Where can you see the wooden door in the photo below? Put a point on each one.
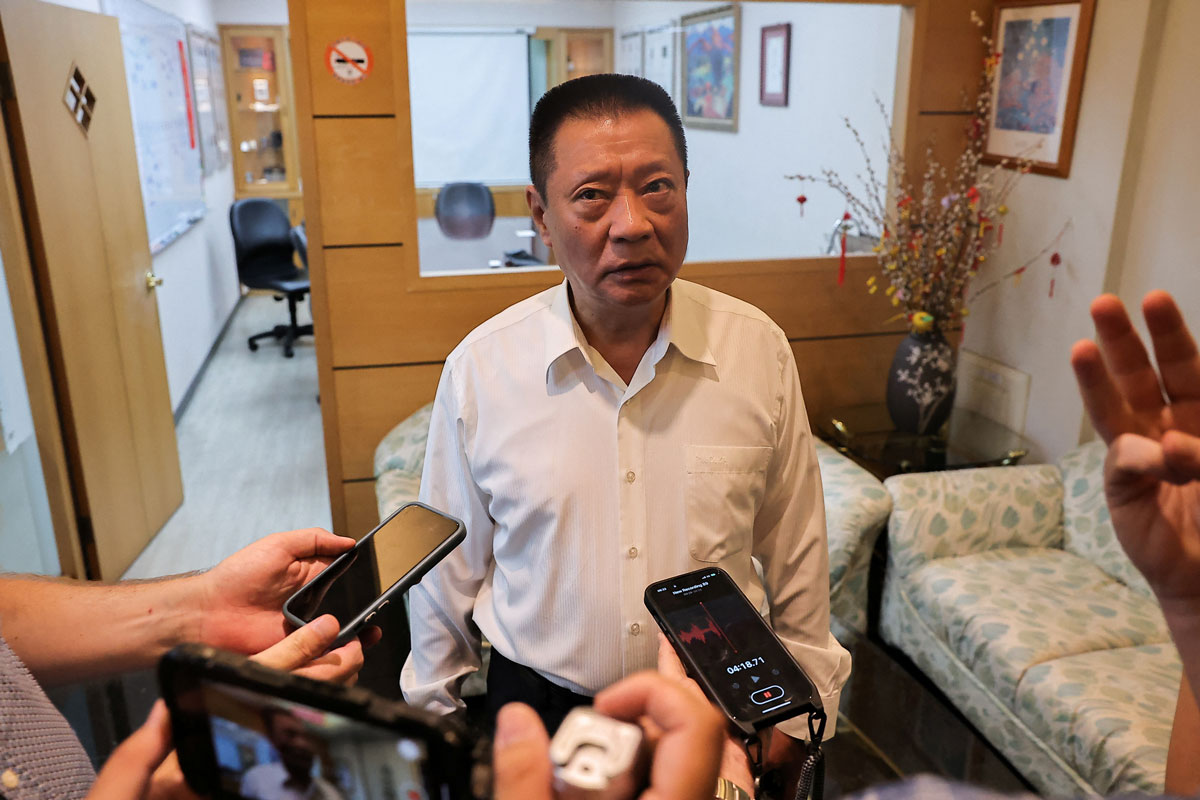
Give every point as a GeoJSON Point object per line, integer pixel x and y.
{"type": "Point", "coordinates": [81, 199]}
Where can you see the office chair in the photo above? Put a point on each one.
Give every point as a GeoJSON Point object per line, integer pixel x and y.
{"type": "Point", "coordinates": [465, 210]}
{"type": "Point", "coordinates": [262, 243]}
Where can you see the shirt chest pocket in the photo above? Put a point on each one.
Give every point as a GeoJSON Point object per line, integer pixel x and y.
{"type": "Point", "coordinates": [724, 490]}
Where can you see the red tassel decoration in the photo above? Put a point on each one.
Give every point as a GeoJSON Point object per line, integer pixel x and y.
{"type": "Point", "coordinates": [802, 199]}
{"type": "Point", "coordinates": [842, 262]}
{"type": "Point", "coordinates": [1055, 260]}
{"type": "Point", "coordinates": [1000, 234]}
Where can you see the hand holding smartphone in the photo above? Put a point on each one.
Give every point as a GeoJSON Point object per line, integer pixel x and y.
{"type": "Point", "coordinates": [380, 568]}
{"type": "Point", "coordinates": [729, 649]}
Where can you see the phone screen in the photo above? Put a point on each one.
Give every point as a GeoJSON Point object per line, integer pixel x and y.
{"type": "Point", "coordinates": [739, 658]}
{"type": "Point", "coordinates": [268, 747]}
{"type": "Point", "coordinates": [390, 552]}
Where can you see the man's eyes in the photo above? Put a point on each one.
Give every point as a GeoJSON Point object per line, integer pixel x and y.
{"type": "Point", "coordinates": [589, 194]}
{"type": "Point", "coordinates": [659, 185]}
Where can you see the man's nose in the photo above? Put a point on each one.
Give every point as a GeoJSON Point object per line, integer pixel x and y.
{"type": "Point", "coordinates": [628, 219]}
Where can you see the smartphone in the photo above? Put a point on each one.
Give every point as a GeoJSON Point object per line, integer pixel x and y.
{"type": "Point", "coordinates": [730, 650]}
{"type": "Point", "coordinates": [243, 730]}
{"type": "Point", "coordinates": [381, 567]}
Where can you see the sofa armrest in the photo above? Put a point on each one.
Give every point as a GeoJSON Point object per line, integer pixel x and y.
{"type": "Point", "coordinates": [856, 510]}
{"type": "Point", "coordinates": [957, 512]}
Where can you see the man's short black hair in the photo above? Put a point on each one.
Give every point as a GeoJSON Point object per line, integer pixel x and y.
{"type": "Point", "coordinates": [595, 97]}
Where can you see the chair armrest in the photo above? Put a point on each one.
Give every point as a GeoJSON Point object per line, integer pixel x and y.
{"type": "Point", "coordinates": [403, 447]}
{"type": "Point", "coordinates": [957, 512]}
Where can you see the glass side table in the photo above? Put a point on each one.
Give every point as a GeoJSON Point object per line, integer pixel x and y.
{"type": "Point", "coordinates": [968, 439]}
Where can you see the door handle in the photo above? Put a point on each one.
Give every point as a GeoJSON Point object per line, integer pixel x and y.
{"type": "Point", "coordinates": [153, 281]}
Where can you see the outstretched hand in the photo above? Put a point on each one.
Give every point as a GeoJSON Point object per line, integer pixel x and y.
{"type": "Point", "coordinates": [242, 597]}
{"type": "Point", "coordinates": [1152, 472]}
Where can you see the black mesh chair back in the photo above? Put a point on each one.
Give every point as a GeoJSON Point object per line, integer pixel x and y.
{"type": "Point", "coordinates": [300, 243]}
{"type": "Point", "coordinates": [262, 242]}
{"type": "Point", "coordinates": [465, 210]}
{"type": "Point", "coordinates": [263, 247]}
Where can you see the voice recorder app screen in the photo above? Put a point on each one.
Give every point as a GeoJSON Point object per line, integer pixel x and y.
{"type": "Point", "coordinates": [731, 644]}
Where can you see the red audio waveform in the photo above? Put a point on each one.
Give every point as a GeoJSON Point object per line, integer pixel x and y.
{"type": "Point", "coordinates": [696, 632]}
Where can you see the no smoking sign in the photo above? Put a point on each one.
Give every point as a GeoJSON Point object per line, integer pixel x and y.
{"type": "Point", "coordinates": [348, 61]}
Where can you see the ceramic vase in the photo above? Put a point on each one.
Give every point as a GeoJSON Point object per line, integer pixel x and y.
{"type": "Point", "coordinates": [920, 390]}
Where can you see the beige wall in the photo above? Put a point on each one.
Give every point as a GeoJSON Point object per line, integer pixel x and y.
{"type": "Point", "coordinates": [1162, 248]}
{"type": "Point", "coordinates": [1135, 157]}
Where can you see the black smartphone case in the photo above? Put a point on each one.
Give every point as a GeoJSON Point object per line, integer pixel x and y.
{"type": "Point", "coordinates": [698, 675]}
{"type": "Point", "coordinates": [395, 591]}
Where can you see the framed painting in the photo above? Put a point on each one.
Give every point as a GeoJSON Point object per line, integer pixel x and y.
{"type": "Point", "coordinates": [774, 61]}
{"type": "Point", "coordinates": [1041, 49]}
{"type": "Point", "coordinates": [631, 57]}
{"type": "Point", "coordinates": [709, 68]}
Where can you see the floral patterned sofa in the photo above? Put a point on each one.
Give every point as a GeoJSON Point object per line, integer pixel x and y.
{"type": "Point", "coordinates": [856, 507]}
{"type": "Point", "coordinates": [1009, 590]}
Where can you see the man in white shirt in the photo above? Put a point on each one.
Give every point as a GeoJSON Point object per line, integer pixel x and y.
{"type": "Point", "coordinates": [618, 429]}
{"type": "Point", "coordinates": [291, 777]}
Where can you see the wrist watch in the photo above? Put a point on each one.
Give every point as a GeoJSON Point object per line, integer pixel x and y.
{"type": "Point", "coordinates": [728, 790]}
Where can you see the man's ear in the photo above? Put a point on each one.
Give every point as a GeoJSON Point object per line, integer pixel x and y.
{"type": "Point", "coordinates": [687, 173]}
{"type": "Point", "coordinates": [537, 208]}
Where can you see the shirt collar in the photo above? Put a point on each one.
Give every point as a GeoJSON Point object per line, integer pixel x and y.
{"type": "Point", "coordinates": [682, 326]}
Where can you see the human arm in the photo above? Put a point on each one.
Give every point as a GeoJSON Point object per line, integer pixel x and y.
{"type": "Point", "coordinates": [1152, 471]}
{"type": "Point", "coordinates": [791, 545]}
{"type": "Point", "coordinates": [66, 630]}
{"type": "Point", "coordinates": [445, 641]}
{"type": "Point", "coordinates": [146, 766]}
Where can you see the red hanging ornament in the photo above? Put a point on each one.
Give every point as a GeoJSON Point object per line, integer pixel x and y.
{"type": "Point", "coordinates": [842, 262]}
{"type": "Point", "coordinates": [1055, 260]}
{"type": "Point", "coordinates": [802, 199]}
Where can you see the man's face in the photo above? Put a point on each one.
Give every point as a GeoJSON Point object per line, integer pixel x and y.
{"type": "Point", "coordinates": [296, 748]}
{"type": "Point", "coordinates": [615, 211]}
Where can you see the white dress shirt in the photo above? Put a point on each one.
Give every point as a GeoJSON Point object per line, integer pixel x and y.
{"type": "Point", "coordinates": [578, 491]}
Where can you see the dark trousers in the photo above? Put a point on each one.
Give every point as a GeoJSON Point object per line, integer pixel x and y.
{"type": "Point", "coordinates": [509, 682]}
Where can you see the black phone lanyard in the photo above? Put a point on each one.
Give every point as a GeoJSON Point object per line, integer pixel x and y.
{"type": "Point", "coordinates": [812, 771]}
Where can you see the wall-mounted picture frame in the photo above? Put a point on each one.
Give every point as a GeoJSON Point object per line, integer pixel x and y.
{"type": "Point", "coordinates": [631, 55]}
{"type": "Point", "coordinates": [1038, 81]}
{"type": "Point", "coordinates": [659, 50]}
{"type": "Point", "coordinates": [709, 50]}
{"type": "Point", "coordinates": [774, 63]}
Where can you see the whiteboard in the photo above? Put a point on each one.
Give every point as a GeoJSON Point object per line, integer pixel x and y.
{"type": "Point", "coordinates": [158, 74]}
{"type": "Point", "coordinates": [208, 95]}
{"type": "Point", "coordinates": [470, 107]}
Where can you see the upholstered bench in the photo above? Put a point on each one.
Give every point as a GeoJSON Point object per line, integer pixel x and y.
{"type": "Point", "coordinates": [1008, 589]}
{"type": "Point", "coordinates": [856, 507]}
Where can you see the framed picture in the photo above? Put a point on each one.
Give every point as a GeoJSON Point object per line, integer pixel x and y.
{"type": "Point", "coordinates": [659, 53]}
{"type": "Point", "coordinates": [709, 68]}
{"type": "Point", "coordinates": [1036, 86]}
{"type": "Point", "coordinates": [773, 65]}
{"type": "Point", "coordinates": [631, 54]}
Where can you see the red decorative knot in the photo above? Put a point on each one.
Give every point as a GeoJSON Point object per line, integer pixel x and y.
{"type": "Point", "coordinates": [802, 199]}
{"type": "Point", "coordinates": [846, 216]}
{"type": "Point", "coordinates": [1055, 260]}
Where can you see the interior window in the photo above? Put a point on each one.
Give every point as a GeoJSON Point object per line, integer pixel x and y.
{"type": "Point", "coordinates": [473, 89]}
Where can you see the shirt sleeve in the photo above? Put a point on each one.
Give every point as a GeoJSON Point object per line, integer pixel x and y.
{"type": "Point", "coordinates": [445, 639]}
{"type": "Point", "coordinates": [791, 545]}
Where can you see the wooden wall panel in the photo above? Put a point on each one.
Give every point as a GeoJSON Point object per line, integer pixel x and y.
{"type": "Point", "coordinates": [374, 310]}
{"type": "Point", "coordinates": [370, 25]}
{"type": "Point", "coordinates": [362, 512]}
{"type": "Point", "coordinates": [363, 171]}
{"type": "Point", "coordinates": [375, 319]}
{"type": "Point", "coordinates": [844, 371]}
{"type": "Point", "coordinates": [370, 403]}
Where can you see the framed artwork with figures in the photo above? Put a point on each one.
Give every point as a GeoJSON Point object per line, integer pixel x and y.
{"type": "Point", "coordinates": [709, 68]}
{"type": "Point", "coordinates": [1037, 80]}
{"type": "Point", "coordinates": [774, 60]}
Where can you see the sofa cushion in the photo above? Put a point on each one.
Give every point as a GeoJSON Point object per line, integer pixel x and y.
{"type": "Point", "coordinates": [856, 511]}
{"type": "Point", "coordinates": [1087, 526]}
{"type": "Point", "coordinates": [404, 446]}
{"type": "Point", "coordinates": [1004, 611]}
{"type": "Point", "coordinates": [1107, 713]}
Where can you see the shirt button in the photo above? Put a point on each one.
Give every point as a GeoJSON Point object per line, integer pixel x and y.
{"type": "Point", "coordinates": [635, 629]}
{"type": "Point", "coordinates": [630, 476]}
{"type": "Point", "coordinates": [633, 552]}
